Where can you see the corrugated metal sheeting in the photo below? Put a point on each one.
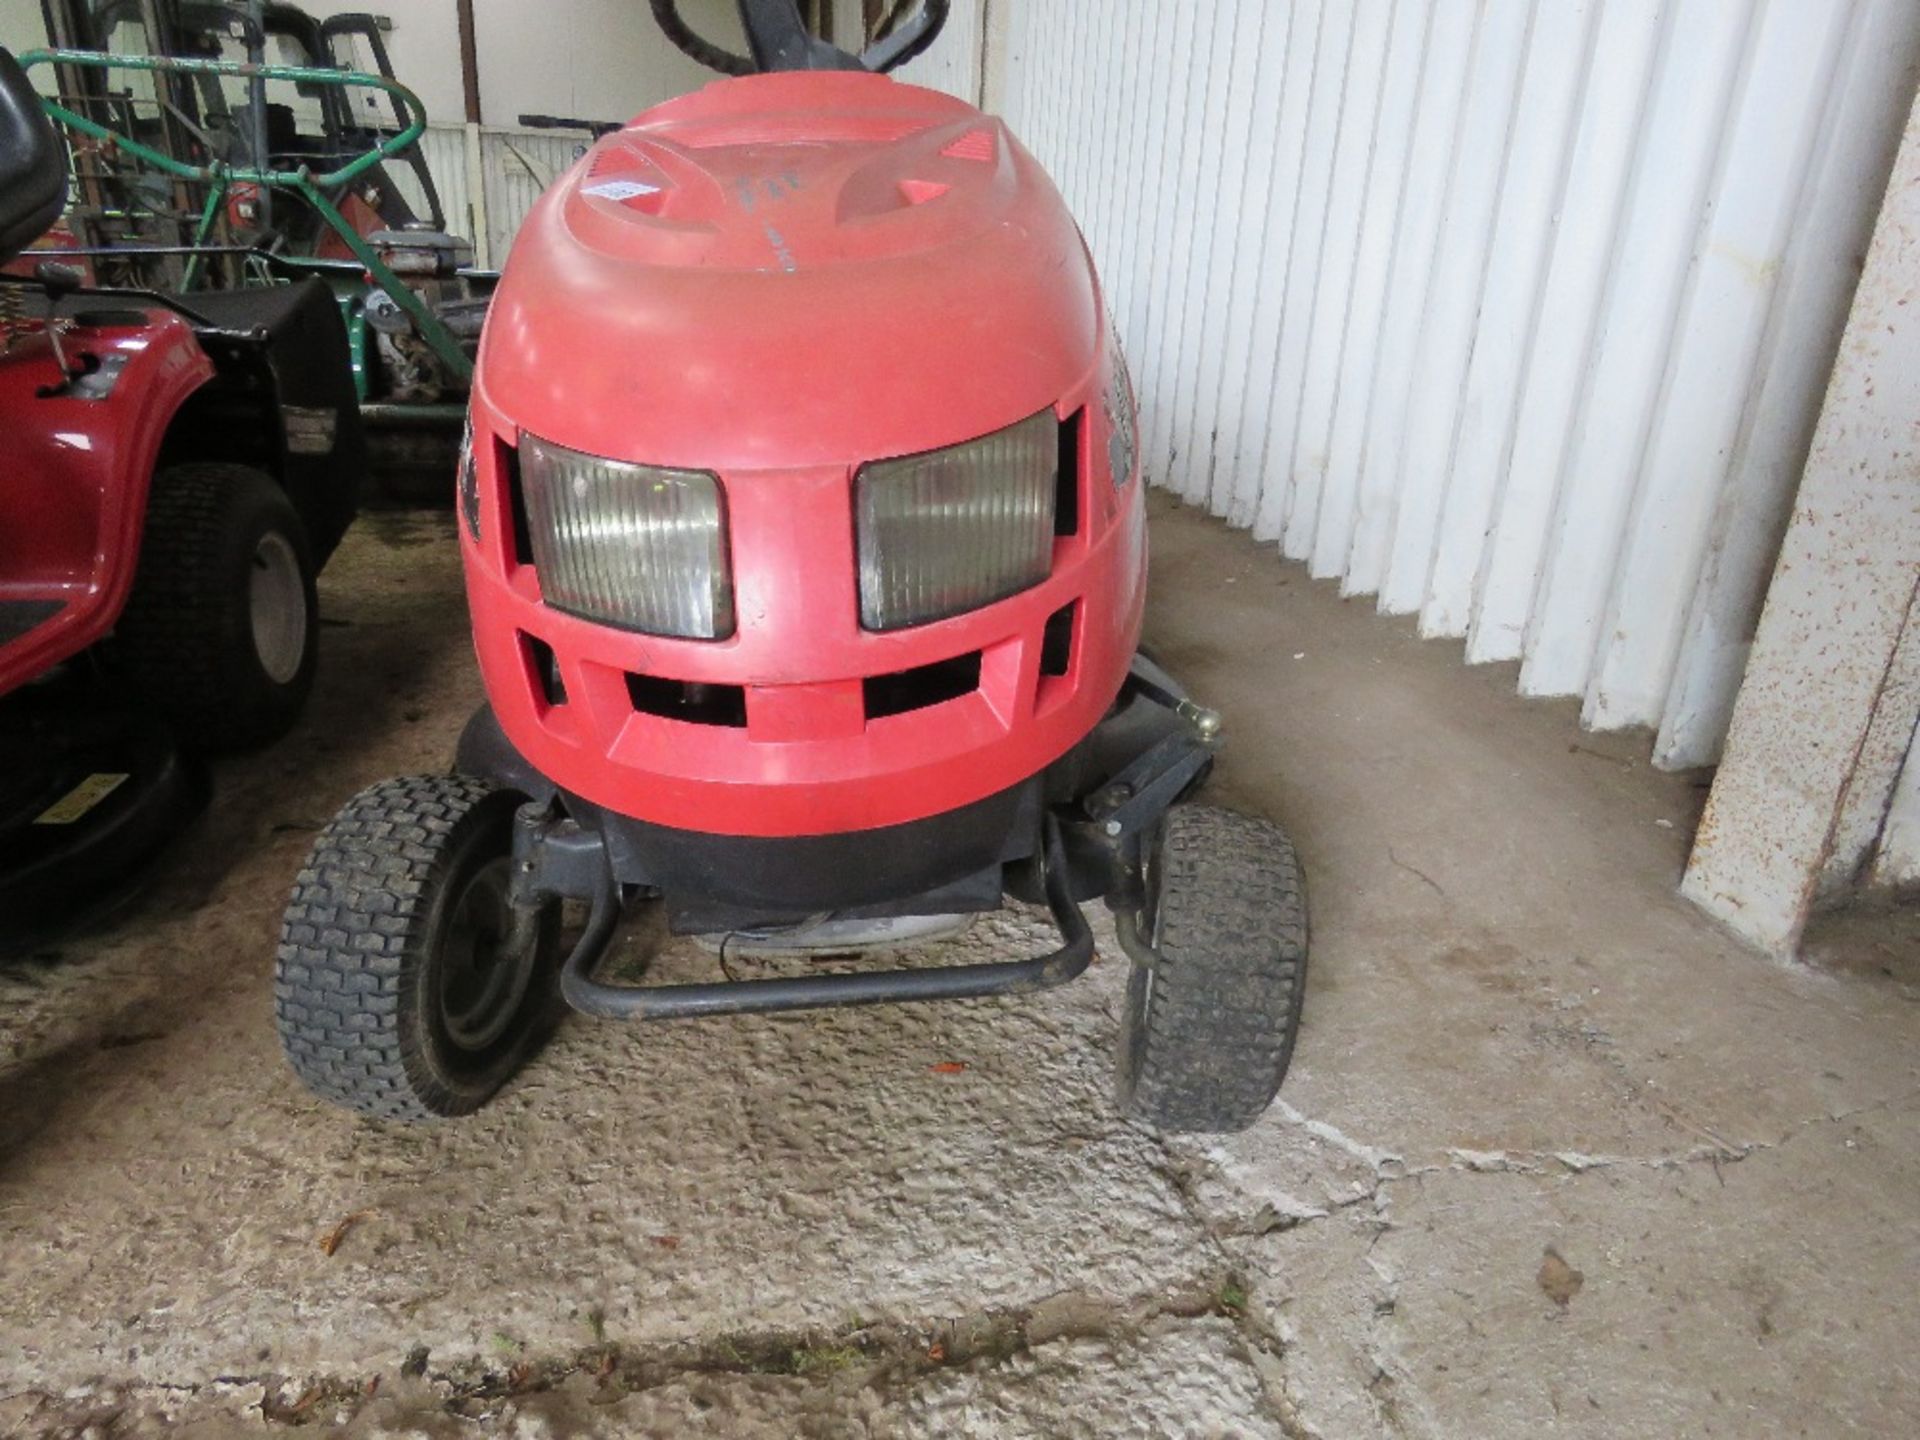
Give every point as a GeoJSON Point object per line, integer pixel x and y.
{"type": "Point", "coordinates": [953, 62]}
{"type": "Point", "coordinates": [1516, 313]}
{"type": "Point", "coordinates": [1816, 794]}
{"type": "Point", "coordinates": [517, 166]}
{"type": "Point", "coordinates": [445, 149]}
{"type": "Point", "coordinates": [514, 166]}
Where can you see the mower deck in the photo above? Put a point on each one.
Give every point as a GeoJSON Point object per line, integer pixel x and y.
{"type": "Point", "coordinates": [90, 794]}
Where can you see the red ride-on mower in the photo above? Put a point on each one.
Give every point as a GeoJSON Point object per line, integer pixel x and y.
{"type": "Point", "coordinates": [172, 479]}
{"type": "Point", "coordinates": [806, 548]}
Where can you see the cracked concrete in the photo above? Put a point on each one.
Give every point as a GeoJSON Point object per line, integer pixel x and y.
{"type": "Point", "coordinates": [1517, 1039]}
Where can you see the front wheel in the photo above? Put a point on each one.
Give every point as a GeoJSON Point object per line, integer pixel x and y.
{"type": "Point", "coordinates": [1209, 1029]}
{"type": "Point", "coordinates": [402, 987]}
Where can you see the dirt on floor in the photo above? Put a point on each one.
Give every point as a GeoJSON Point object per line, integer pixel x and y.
{"type": "Point", "coordinates": [1556, 1156]}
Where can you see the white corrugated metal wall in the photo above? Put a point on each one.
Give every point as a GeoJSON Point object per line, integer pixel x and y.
{"type": "Point", "coordinates": [1898, 860]}
{"type": "Point", "coordinates": [506, 167]}
{"type": "Point", "coordinates": [444, 147]}
{"type": "Point", "coordinates": [1516, 313]}
{"type": "Point", "coordinates": [1816, 793]}
{"type": "Point", "coordinates": [953, 62]}
{"type": "Point", "coordinates": [516, 166]}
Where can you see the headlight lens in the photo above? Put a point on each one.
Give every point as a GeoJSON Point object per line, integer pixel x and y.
{"type": "Point", "coordinates": [638, 546]}
{"type": "Point", "coordinates": [955, 529]}
{"type": "Point", "coordinates": [1122, 447]}
{"type": "Point", "coordinates": [469, 482]}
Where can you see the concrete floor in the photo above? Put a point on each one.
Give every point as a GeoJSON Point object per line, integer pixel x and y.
{"type": "Point", "coordinates": [1556, 1157]}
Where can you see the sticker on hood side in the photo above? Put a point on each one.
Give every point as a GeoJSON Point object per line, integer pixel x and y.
{"type": "Point", "coordinates": [619, 189]}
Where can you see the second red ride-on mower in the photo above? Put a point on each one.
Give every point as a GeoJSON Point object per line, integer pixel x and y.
{"type": "Point", "coordinates": [174, 476]}
{"type": "Point", "coordinates": [805, 542]}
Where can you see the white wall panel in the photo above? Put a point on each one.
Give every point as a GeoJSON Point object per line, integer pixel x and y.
{"type": "Point", "coordinates": [1564, 326]}
{"type": "Point", "coordinates": [1389, 148]}
{"type": "Point", "coordinates": [1333, 54]}
{"type": "Point", "coordinates": [515, 165]}
{"type": "Point", "coordinates": [1300, 76]}
{"type": "Point", "coordinates": [1516, 313]}
{"type": "Point", "coordinates": [953, 62]}
{"type": "Point", "coordinates": [1207, 260]}
{"type": "Point", "coordinates": [1532, 193]}
{"type": "Point", "coordinates": [1212, 483]}
{"type": "Point", "coordinates": [1457, 289]}
{"type": "Point", "coordinates": [1873, 77]}
{"type": "Point", "coordinates": [1226, 320]}
{"type": "Point", "coordinates": [1756, 195]}
{"type": "Point", "coordinates": [1436, 118]}
{"type": "Point", "coordinates": [1186, 81]}
{"type": "Point", "coordinates": [445, 149]}
{"type": "Point", "coordinates": [1327, 328]}
{"type": "Point", "coordinates": [1681, 129]}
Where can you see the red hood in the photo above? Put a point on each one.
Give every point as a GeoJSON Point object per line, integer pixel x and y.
{"type": "Point", "coordinates": [787, 270]}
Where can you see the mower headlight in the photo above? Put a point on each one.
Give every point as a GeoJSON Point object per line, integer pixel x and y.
{"type": "Point", "coordinates": [638, 546]}
{"type": "Point", "coordinates": [469, 481]}
{"type": "Point", "coordinates": [955, 529]}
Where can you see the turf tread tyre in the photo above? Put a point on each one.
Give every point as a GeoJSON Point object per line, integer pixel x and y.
{"type": "Point", "coordinates": [1208, 1034]}
{"type": "Point", "coordinates": [185, 637]}
{"type": "Point", "coordinates": [352, 970]}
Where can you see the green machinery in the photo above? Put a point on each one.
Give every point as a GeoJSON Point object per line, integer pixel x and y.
{"type": "Point", "coordinates": [413, 313]}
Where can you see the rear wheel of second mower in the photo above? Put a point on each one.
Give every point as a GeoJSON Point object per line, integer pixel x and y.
{"type": "Point", "coordinates": [221, 632]}
{"type": "Point", "coordinates": [397, 990]}
{"type": "Point", "coordinates": [1208, 1031]}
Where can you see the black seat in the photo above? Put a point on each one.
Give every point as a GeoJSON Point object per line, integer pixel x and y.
{"type": "Point", "coordinates": [33, 166]}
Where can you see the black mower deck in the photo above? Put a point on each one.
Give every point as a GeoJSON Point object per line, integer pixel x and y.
{"type": "Point", "coordinates": [89, 795]}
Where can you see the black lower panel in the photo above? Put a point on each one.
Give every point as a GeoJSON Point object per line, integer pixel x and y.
{"type": "Point", "coordinates": [947, 862]}
{"type": "Point", "coordinates": [958, 861]}
{"type": "Point", "coordinates": [17, 617]}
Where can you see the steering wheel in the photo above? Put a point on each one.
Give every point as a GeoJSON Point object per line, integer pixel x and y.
{"type": "Point", "coordinates": [779, 40]}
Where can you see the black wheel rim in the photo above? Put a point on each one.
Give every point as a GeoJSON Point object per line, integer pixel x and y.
{"type": "Point", "coordinates": [482, 983]}
{"type": "Point", "coordinates": [277, 608]}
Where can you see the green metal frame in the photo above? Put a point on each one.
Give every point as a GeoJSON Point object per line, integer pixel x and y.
{"type": "Point", "coordinates": [314, 189]}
